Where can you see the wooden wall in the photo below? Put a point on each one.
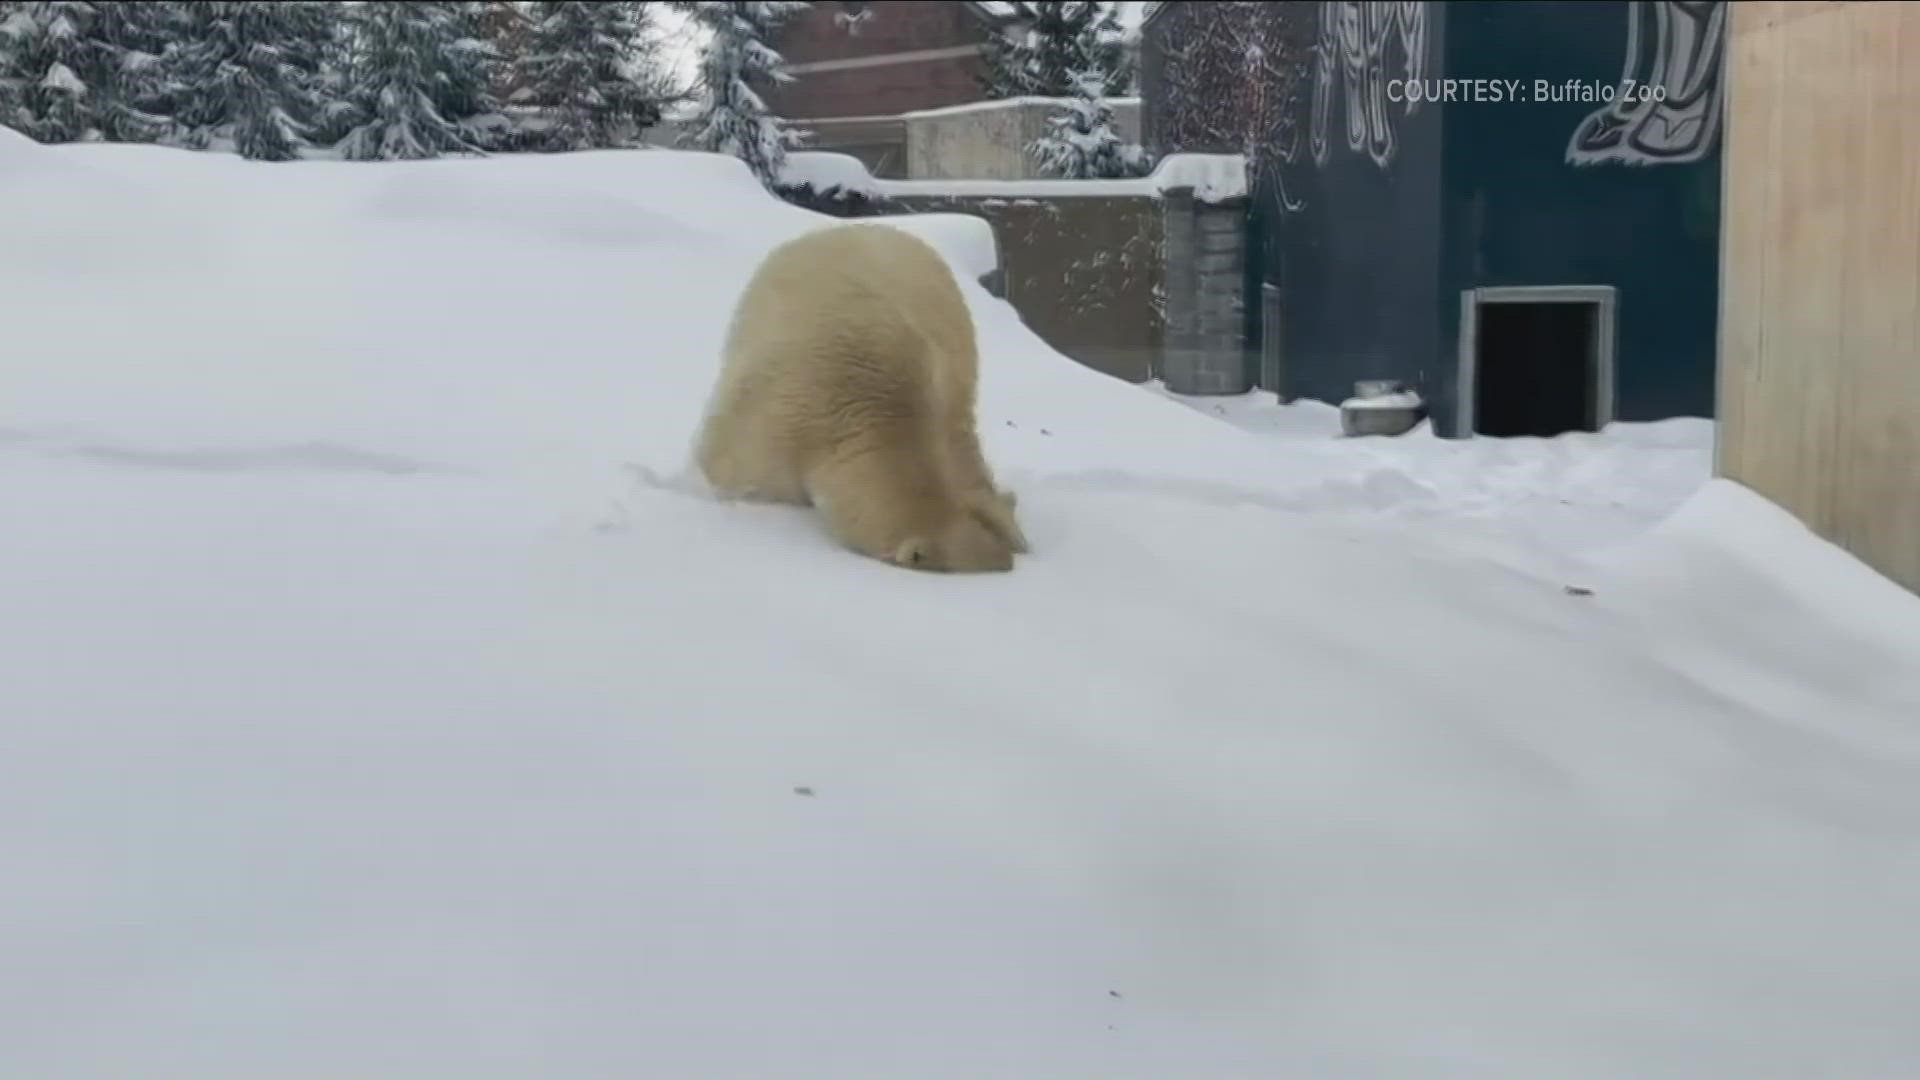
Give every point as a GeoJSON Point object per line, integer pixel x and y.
{"type": "Point", "coordinates": [1819, 381]}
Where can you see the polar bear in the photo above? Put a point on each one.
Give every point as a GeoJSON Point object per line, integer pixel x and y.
{"type": "Point", "coordinates": [847, 383]}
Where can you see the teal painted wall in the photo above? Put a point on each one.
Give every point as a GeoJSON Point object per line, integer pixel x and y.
{"type": "Point", "coordinates": [1372, 248]}
{"type": "Point", "coordinates": [1641, 219]}
{"type": "Point", "coordinates": [1353, 234]}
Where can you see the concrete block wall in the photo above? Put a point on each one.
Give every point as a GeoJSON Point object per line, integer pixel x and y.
{"type": "Point", "coordinates": [1204, 264]}
{"type": "Point", "coordinates": [988, 140]}
{"type": "Point", "coordinates": [1138, 279]}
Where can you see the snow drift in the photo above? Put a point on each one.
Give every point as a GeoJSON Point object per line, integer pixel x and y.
{"type": "Point", "coordinates": [373, 701]}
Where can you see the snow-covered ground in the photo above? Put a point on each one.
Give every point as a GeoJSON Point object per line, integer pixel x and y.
{"type": "Point", "coordinates": [374, 703]}
{"type": "Point", "coordinates": [1571, 495]}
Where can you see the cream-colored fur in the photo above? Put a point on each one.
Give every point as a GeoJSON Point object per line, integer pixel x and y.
{"type": "Point", "coordinates": [847, 383]}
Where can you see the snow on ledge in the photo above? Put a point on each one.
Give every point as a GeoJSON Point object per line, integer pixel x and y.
{"type": "Point", "coordinates": [1211, 178]}
{"type": "Point", "coordinates": [823, 171]}
{"type": "Point", "coordinates": [1405, 399]}
{"type": "Point", "coordinates": [1005, 105]}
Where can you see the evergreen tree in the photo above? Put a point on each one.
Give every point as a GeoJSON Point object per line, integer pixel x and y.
{"type": "Point", "coordinates": [593, 74]}
{"type": "Point", "coordinates": [734, 119]}
{"type": "Point", "coordinates": [421, 83]}
{"type": "Point", "coordinates": [53, 68]}
{"type": "Point", "coordinates": [1004, 60]}
{"type": "Point", "coordinates": [84, 71]}
{"type": "Point", "coordinates": [250, 72]}
{"type": "Point", "coordinates": [507, 28]}
{"type": "Point", "coordinates": [336, 113]}
{"type": "Point", "coordinates": [473, 68]}
{"type": "Point", "coordinates": [8, 9]}
{"type": "Point", "coordinates": [136, 94]}
{"type": "Point", "coordinates": [1055, 42]}
{"type": "Point", "coordinates": [1081, 143]}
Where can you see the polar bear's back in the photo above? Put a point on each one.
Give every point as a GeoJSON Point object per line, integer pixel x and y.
{"type": "Point", "coordinates": [860, 317]}
{"type": "Point", "coordinates": [876, 277]}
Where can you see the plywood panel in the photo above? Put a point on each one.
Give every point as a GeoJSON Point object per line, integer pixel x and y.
{"type": "Point", "coordinates": [1820, 311]}
{"type": "Point", "coordinates": [1750, 132]}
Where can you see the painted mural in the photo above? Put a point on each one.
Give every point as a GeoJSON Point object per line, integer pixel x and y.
{"type": "Point", "coordinates": [1667, 107]}
{"type": "Point", "coordinates": [1232, 78]}
{"type": "Point", "coordinates": [1287, 91]}
{"type": "Point", "coordinates": [1360, 48]}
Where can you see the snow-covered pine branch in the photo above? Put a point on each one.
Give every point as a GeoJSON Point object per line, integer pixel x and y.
{"type": "Point", "coordinates": [1082, 142]}
{"type": "Point", "coordinates": [733, 118]}
{"type": "Point", "coordinates": [246, 74]}
{"type": "Point", "coordinates": [1052, 42]}
{"type": "Point", "coordinates": [593, 75]}
{"type": "Point", "coordinates": [421, 82]}
{"type": "Point", "coordinates": [43, 50]}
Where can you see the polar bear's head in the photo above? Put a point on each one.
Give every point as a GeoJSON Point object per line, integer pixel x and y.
{"type": "Point", "coordinates": [965, 545]}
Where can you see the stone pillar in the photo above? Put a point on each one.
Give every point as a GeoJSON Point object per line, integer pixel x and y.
{"type": "Point", "coordinates": [1205, 349]}
{"type": "Point", "coordinates": [1176, 283]}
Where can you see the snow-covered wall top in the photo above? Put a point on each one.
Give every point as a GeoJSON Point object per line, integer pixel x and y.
{"type": "Point", "coordinates": [1211, 177]}
{"type": "Point", "coordinates": [823, 170]}
{"type": "Point", "coordinates": [966, 240]}
{"type": "Point", "coordinates": [1005, 104]}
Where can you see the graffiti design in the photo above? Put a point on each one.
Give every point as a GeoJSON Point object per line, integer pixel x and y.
{"type": "Point", "coordinates": [1231, 78]}
{"type": "Point", "coordinates": [1667, 108]}
{"type": "Point", "coordinates": [1353, 50]}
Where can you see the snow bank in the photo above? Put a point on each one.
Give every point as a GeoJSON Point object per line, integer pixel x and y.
{"type": "Point", "coordinates": [374, 701]}
{"type": "Point", "coordinates": [966, 240]}
{"type": "Point", "coordinates": [1525, 498]}
{"type": "Point", "coordinates": [1211, 178]}
{"type": "Point", "coordinates": [1729, 527]}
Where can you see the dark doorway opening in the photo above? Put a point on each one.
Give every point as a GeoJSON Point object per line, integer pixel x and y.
{"type": "Point", "coordinates": [1541, 362]}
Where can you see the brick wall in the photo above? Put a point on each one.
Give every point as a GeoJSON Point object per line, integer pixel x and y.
{"type": "Point", "coordinates": [878, 91]}
{"type": "Point", "coordinates": [891, 26]}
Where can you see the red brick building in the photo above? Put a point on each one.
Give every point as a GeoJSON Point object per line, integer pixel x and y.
{"type": "Point", "coordinates": [857, 66]}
